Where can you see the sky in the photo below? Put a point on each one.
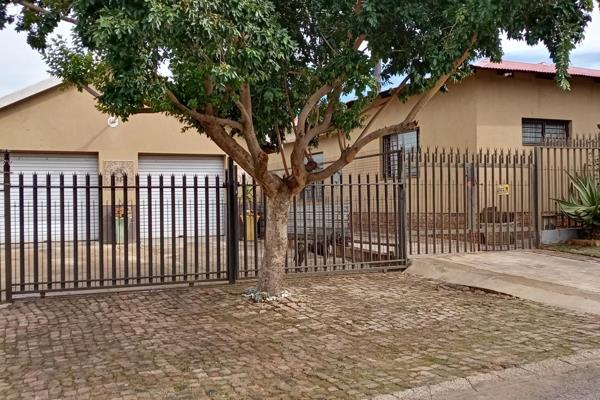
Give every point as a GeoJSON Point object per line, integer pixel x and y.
{"type": "Point", "coordinates": [21, 66]}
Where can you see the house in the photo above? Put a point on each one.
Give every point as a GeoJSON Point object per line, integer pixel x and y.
{"type": "Point", "coordinates": [507, 105]}
{"type": "Point", "coordinates": [47, 128]}
{"type": "Point", "coordinates": [52, 131]}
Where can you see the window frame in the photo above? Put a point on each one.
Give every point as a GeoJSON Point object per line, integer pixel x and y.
{"type": "Point", "coordinates": [386, 154]}
{"type": "Point", "coordinates": [544, 122]}
{"type": "Point", "coordinates": [319, 185]}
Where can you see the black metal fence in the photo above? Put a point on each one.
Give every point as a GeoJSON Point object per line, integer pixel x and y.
{"type": "Point", "coordinates": [491, 200]}
{"type": "Point", "coordinates": [70, 233]}
{"type": "Point", "coordinates": [347, 223]}
{"type": "Point", "coordinates": [67, 233]}
{"type": "Point", "coordinates": [459, 201]}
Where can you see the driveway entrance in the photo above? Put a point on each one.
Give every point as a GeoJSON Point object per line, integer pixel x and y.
{"type": "Point", "coordinates": [566, 281]}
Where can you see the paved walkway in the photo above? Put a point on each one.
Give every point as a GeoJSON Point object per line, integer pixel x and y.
{"type": "Point", "coordinates": [553, 278]}
{"type": "Point", "coordinates": [349, 337]}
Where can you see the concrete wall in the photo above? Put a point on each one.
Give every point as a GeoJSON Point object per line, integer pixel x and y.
{"type": "Point", "coordinates": [67, 121]}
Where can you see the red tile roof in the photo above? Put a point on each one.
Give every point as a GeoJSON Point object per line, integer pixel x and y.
{"type": "Point", "coordinates": [541, 68]}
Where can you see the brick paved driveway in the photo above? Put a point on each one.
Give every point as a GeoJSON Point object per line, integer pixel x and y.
{"type": "Point", "coordinates": [335, 337]}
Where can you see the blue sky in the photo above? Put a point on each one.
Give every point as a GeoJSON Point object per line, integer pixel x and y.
{"type": "Point", "coordinates": [21, 66]}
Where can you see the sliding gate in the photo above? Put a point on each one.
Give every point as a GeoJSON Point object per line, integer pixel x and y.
{"type": "Point", "coordinates": [68, 233]}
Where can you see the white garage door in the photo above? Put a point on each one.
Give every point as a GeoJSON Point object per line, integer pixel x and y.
{"type": "Point", "coordinates": [52, 165]}
{"type": "Point", "coordinates": [209, 199]}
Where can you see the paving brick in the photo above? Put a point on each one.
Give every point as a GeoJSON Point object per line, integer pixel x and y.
{"type": "Point", "coordinates": [345, 337]}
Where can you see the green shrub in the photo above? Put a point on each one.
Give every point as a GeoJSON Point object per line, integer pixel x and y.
{"type": "Point", "coordinates": [583, 204]}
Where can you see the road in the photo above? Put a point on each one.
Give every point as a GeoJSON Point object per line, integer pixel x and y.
{"type": "Point", "coordinates": [575, 377]}
{"type": "Point", "coordinates": [577, 384]}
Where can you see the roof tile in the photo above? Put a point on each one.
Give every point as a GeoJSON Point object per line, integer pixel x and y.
{"type": "Point", "coordinates": [540, 68]}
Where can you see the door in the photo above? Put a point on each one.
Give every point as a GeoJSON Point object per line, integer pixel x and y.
{"type": "Point", "coordinates": [195, 201]}
{"type": "Point", "coordinates": [39, 208]}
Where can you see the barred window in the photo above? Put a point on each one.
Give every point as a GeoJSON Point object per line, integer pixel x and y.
{"type": "Point", "coordinates": [391, 145]}
{"type": "Point", "coordinates": [535, 131]}
{"type": "Point", "coordinates": [316, 187]}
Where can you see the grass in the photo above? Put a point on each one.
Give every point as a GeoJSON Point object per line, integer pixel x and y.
{"type": "Point", "coordinates": [581, 250]}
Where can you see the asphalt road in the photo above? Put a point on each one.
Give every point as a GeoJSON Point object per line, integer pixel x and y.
{"type": "Point", "coordinates": [575, 377]}
{"type": "Point", "coordinates": [582, 383]}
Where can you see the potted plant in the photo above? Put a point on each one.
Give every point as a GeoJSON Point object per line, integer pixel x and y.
{"type": "Point", "coordinates": [120, 224]}
{"type": "Point", "coordinates": [583, 205]}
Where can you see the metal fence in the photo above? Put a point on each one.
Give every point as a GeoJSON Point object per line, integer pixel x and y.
{"type": "Point", "coordinates": [558, 161]}
{"type": "Point", "coordinates": [67, 233]}
{"type": "Point", "coordinates": [490, 200]}
{"type": "Point", "coordinates": [347, 223]}
{"type": "Point", "coordinates": [459, 201]}
{"type": "Point", "coordinates": [70, 233]}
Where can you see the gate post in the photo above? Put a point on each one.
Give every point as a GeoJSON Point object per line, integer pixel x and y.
{"type": "Point", "coordinates": [536, 193]}
{"type": "Point", "coordinates": [7, 230]}
{"type": "Point", "coordinates": [232, 223]}
{"type": "Point", "coordinates": [401, 217]}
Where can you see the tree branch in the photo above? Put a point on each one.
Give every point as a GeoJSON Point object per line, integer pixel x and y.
{"type": "Point", "coordinates": [42, 10]}
{"type": "Point", "coordinates": [289, 107]}
{"type": "Point", "coordinates": [408, 125]}
{"type": "Point", "coordinates": [245, 107]}
{"type": "Point", "coordinates": [326, 124]}
{"type": "Point", "coordinates": [310, 104]}
{"type": "Point", "coordinates": [441, 81]}
{"type": "Point", "coordinates": [280, 145]}
{"type": "Point", "coordinates": [341, 140]}
{"type": "Point", "coordinates": [214, 128]}
{"type": "Point", "coordinates": [350, 153]}
{"type": "Point", "coordinates": [91, 91]}
{"type": "Point", "coordinates": [204, 118]}
{"type": "Point", "coordinates": [384, 107]}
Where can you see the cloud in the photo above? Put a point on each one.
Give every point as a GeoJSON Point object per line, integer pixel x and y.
{"type": "Point", "coordinates": [22, 66]}
{"type": "Point", "coordinates": [587, 53]}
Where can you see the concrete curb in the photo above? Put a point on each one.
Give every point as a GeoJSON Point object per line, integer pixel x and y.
{"type": "Point", "coordinates": [470, 383]}
{"type": "Point", "coordinates": [454, 272]}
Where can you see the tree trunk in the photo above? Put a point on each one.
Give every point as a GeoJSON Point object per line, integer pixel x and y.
{"type": "Point", "coordinates": [270, 275]}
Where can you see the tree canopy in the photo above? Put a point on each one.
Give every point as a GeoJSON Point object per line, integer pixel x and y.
{"type": "Point", "coordinates": [259, 68]}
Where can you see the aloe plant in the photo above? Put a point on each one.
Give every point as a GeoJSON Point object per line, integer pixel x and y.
{"type": "Point", "coordinates": [583, 204]}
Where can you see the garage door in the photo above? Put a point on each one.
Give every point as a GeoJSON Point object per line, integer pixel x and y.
{"type": "Point", "coordinates": [179, 199]}
{"type": "Point", "coordinates": [48, 200]}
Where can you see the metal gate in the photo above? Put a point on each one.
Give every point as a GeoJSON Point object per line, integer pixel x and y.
{"type": "Point", "coordinates": [169, 230]}
{"type": "Point", "coordinates": [459, 201]}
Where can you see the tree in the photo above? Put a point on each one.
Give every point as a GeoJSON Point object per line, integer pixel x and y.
{"type": "Point", "coordinates": [245, 72]}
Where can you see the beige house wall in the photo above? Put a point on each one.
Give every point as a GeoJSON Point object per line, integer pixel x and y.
{"type": "Point", "coordinates": [67, 121]}
{"type": "Point", "coordinates": [483, 111]}
{"type": "Point", "coordinates": [447, 121]}
{"type": "Point", "coordinates": [502, 103]}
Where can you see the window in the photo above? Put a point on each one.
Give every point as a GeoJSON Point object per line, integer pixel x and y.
{"type": "Point", "coordinates": [391, 145]}
{"type": "Point", "coordinates": [535, 131]}
{"type": "Point", "coordinates": [317, 187]}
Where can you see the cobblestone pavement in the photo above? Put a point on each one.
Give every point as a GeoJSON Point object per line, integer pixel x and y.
{"type": "Point", "coordinates": [334, 337]}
